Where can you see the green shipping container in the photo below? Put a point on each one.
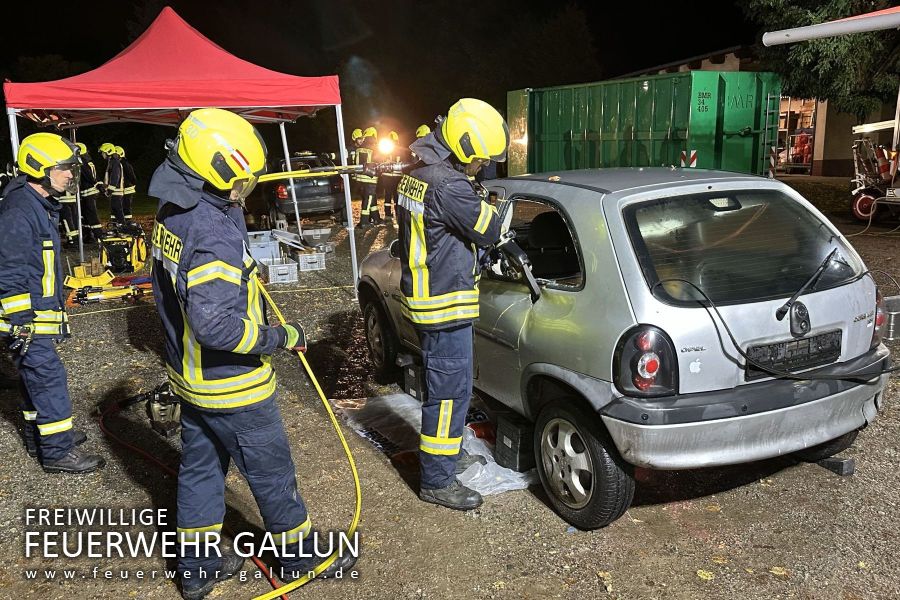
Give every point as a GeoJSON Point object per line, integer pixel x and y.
{"type": "Point", "coordinates": [701, 119]}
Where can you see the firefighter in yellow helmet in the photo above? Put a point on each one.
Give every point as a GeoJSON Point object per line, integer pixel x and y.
{"type": "Point", "coordinates": [114, 181]}
{"type": "Point", "coordinates": [442, 222]}
{"type": "Point", "coordinates": [32, 299]}
{"type": "Point", "coordinates": [219, 345]}
{"type": "Point", "coordinates": [366, 184]}
{"type": "Point", "coordinates": [389, 180]}
{"type": "Point", "coordinates": [88, 187]}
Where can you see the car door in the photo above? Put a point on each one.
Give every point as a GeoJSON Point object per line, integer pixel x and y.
{"type": "Point", "coordinates": [506, 305]}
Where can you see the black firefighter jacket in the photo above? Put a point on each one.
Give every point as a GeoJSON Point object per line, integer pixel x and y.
{"type": "Point", "coordinates": [442, 222]}
{"type": "Point", "coordinates": [31, 282]}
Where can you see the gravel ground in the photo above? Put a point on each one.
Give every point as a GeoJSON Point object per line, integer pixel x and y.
{"type": "Point", "coordinates": [773, 529]}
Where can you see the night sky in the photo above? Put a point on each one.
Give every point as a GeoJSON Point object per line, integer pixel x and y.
{"type": "Point", "coordinates": [401, 62]}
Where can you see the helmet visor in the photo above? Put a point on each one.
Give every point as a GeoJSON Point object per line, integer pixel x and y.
{"type": "Point", "coordinates": [241, 188]}
{"type": "Point", "coordinates": [72, 165]}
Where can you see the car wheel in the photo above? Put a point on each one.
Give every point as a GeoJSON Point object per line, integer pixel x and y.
{"type": "Point", "coordinates": [828, 449]}
{"type": "Point", "coordinates": [863, 206]}
{"type": "Point", "coordinates": [589, 484]}
{"type": "Point", "coordinates": [382, 343]}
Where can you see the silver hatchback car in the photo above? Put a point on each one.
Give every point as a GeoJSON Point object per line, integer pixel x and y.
{"type": "Point", "coordinates": [667, 315]}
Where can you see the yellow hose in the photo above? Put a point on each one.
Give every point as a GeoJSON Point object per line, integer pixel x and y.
{"type": "Point", "coordinates": [352, 529]}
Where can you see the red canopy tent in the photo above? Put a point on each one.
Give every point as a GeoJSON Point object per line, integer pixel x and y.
{"type": "Point", "coordinates": [168, 71]}
{"type": "Point", "coordinates": [171, 68]}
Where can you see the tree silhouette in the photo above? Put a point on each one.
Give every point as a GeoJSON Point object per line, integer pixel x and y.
{"type": "Point", "coordinates": [855, 72]}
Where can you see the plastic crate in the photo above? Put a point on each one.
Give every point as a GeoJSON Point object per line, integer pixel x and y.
{"type": "Point", "coordinates": [263, 246]}
{"type": "Point", "coordinates": [279, 270]}
{"type": "Point", "coordinates": [310, 261]}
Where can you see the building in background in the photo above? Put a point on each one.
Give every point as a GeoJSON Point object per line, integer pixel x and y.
{"type": "Point", "coordinates": [812, 137]}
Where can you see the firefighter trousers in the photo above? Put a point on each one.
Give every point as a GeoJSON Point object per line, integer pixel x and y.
{"type": "Point", "coordinates": [447, 357]}
{"type": "Point", "coordinates": [116, 211]}
{"type": "Point", "coordinates": [126, 207]}
{"type": "Point", "coordinates": [45, 402]}
{"type": "Point", "coordinates": [255, 440]}
{"type": "Point", "coordinates": [369, 209]}
{"type": "Point", "coordinates": [390, 195]}
{"type": "Point", "coordinates": [90, 222]}
{"type": "Point", "coordinates": [68, 218]}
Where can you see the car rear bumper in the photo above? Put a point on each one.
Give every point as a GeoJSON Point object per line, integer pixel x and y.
{"type": "Point", "coordinates": [750, 437]}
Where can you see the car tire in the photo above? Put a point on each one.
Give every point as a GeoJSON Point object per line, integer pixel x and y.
{"type": "Point", "coordinates": [827, 449]}
{"type": "Point", "coordinates": [600, 488]}
{"type": "Point", "coordinates": [381, 342]}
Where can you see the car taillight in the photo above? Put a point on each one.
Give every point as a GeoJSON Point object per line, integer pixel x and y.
{"type": "Point", "coordinates": [645, 364]}
{"type": "Point", "coordinates": [880, 319]}
{"type": "Point", "coordinates": [281, 192]}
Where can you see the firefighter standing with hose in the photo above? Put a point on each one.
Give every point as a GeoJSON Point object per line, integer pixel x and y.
{"type": "Point", "coordinates": [389, 180]}
{"type": "Point", "coordinates": [218, 343]}
{"type": "Point", "coordinates": [32, 313]}
{"type": "Point", "coordinates": [442, 222]}
{"type": "Point", "coordinates": [367, 183]}
{"type": "Point", "coordinates": [114, 182]}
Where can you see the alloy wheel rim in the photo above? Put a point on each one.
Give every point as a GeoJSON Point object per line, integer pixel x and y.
{"type": "Point", "coordinates": [567, 463]}
{"type": "Point", "coordinates": [376, 344]}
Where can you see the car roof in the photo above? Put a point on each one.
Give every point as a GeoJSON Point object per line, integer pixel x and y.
{"type": "Point", "coordinates": [620, 179]}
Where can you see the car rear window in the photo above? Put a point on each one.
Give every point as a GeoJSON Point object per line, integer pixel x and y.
{"type": "Point", "coordinates": [305, 162]}
{"type": "Point", "coordinates": [737, 246]}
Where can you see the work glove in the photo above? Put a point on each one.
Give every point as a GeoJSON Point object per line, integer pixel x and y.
{"type": "Point", "coordinates": [20, 337]}
{"type": "Point", "coordinates": [294, 337]}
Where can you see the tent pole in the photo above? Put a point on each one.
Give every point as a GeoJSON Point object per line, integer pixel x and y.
{"type": "Point", "coordinates": [78, 208]}
{"type": "Point", "coordinates": [287, 166]}
{"type": "Point", "coordinates": [347, 204]}
{"type": "Point", "coordinates": [13, 134]}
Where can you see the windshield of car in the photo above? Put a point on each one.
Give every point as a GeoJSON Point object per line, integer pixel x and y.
{"type": "Point", "coordinates": [737, 246]}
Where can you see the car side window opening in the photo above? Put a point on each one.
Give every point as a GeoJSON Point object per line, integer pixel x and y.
{"type": "Point", "coordinates": [543, 234]}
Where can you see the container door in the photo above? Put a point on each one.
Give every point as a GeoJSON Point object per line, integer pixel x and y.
{"type": "Point", "coordinates": [729, 120]}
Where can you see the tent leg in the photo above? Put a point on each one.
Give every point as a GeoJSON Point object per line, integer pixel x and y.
{"type": "Point", "coordinates": [348, 205]}
{"type": "Point", "coordinates": [78, 210]}
{"type": "Point", "coordinates": [287, 165]}
{"type": "Point", "coordinates": [13, 133]}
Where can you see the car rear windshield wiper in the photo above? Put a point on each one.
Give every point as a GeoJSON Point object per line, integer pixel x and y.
{"type": "Point", "coordinates": [779, 314]}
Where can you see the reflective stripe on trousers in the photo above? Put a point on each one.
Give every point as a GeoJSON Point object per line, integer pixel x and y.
{"type": "Point", "coordinates": [255, 440]}
{"type": "Point", "coordinates": [447, 356]}
{"type": "Point", "coordinates": [46, 397]}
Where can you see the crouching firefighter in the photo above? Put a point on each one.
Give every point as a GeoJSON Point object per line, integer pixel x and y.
{"type": "Point", "coordinates": [217, 346]}
{"type": "Point", "coordinates": [442, 222]}
{"type": "Point", "coordinates": [32, 317]}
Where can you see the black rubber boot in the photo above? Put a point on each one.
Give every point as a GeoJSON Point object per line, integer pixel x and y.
{"type": "Point", "coordinates": [76, 461]}
{"type": "Point", "coordinates": [466, 460]}
{"type": "Point", "coordinates": [78, 438]}
{"type": "Point", "coordinates": [455, 496]}
{"type": "Point", "coordinates": [195, 589]}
